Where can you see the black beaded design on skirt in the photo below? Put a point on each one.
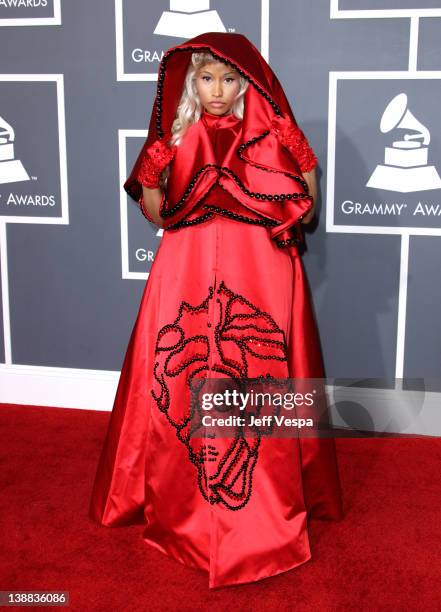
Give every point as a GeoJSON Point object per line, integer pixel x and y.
{"type": "Point", "coordinates": [186, 356]}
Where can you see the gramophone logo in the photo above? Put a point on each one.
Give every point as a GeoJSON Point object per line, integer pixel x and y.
{"type": "Point", "coordinates": [11, 169]}
{"type": "Point", "coordinates": [188, 18]}
{"type": "Point", "coordinates": [406, 168]}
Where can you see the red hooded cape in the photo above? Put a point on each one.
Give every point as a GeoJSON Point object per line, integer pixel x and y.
{"type": "Point", "coordinates": [261, 174]}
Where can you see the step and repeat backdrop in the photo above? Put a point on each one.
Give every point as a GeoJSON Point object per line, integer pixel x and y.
{"type": "Point", "coordinates": [77, 84]}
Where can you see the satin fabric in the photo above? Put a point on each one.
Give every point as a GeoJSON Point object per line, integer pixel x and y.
{"type": "Point", "coordinates": [263, 166]}
{"type": "Point", "coordinates": [221, 300]}
{"type": "Point", "coordinates": [216, 185]}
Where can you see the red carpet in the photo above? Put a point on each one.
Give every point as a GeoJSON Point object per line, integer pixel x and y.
{"type": "Point", "coordinates": [385, 554]}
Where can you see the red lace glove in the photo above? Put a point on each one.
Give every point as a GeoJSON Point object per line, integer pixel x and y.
{"type": "Point", "coordinates": [292, 137]}
{"type": "Point", "coordinates": [155, 159]}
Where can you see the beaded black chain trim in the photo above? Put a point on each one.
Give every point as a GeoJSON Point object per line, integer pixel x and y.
{"type": "Point", "coordinates": [258, 196]}
{"type": "Point", "coordinates": [291, 175]}
{"type": "Point", "coordinates": [185, 222]}
{"type": "Point", "coordinates": [225, 212]}
{"type": "Point", "coordinates": [189, 222]}
{"type": "Point", "coordinates": [275, 106]}
{"type": "Point", "coordinates": [186, 354]}
{"type": "Point", "coordinates": [287, 242]}
{"type": "Point", "coordinates": [264, 196]}
{"type": "Point", "coordinates": [237, 217]}
{"type": "Point", "coordinates": [171, 211]}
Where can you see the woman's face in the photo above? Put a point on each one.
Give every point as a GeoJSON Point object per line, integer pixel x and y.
{"type": "Point", "coordinates": [217, 85]}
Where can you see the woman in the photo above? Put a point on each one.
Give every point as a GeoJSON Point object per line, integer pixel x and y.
{"type": "Point", "coordinates": [229, 175]}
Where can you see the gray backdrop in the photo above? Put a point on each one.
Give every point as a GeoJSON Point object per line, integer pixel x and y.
{"type": "Point", "coordinates": [74, 283]}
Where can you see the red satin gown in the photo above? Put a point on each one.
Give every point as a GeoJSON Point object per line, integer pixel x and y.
{"type": "Point", "coordinates": [221, 298]}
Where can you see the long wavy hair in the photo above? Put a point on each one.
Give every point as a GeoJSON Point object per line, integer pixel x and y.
{"type": "Point", "coordinates": [190, 109]}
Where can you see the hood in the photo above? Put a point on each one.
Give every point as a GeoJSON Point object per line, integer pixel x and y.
{"type": "Point", "coordinates": [264, 97]}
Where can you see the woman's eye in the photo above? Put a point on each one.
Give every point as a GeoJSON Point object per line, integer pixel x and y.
{"type": "Point", "coordinates": [207, 78]}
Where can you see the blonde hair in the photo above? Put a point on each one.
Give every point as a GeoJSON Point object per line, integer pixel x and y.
{"type": "Point", "coordinates": [190, 109]}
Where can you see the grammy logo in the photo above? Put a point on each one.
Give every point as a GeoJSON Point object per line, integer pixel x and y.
{"type": "Point", "coordinates": [405, 167]}
{"type": "Point", "coordinates": [189, 18]}
{"type": "Point", "coordinates": [11, 170]}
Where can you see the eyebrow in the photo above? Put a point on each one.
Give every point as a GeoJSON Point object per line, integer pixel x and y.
{"type": "Point", "coordinates": [224, 74]}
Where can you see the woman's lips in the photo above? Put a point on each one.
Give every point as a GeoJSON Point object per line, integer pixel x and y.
{"type": "Point", "coordinates": [217, 104]}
